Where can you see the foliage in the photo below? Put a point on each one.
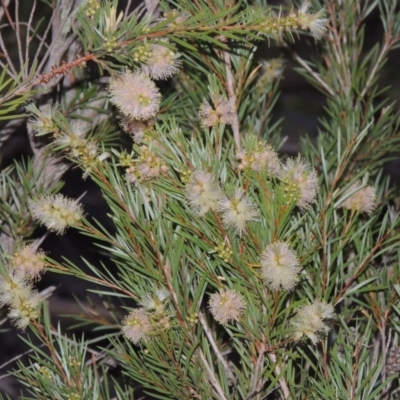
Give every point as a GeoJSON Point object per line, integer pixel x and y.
{"type": "Point", "coordinates": [236, 272]}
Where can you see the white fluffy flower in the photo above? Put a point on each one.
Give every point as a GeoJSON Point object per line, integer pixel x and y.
{"type": "Point", "coordinates": [310, 321]}
{"type": "Point", "coordinates": [29, 261]}
{"type": "Point", "coordinates": [137, 326]}
{"type": "Point", "coordinates": [56, 212]}
{"type": "Point", "coordinates": [314, 22]}
{"type": "Point", "coordinates": [362, 200]}
{"type": "Point", "coordinates": [227, 305]}
{"type": "Point", "coordinates": [238, 211]}
{"type": "Point", "coordinates": [280, 266]}
{"type": "Point", "coordinates": [162, 62]}
{"type": "Point", "coordinates": [202, 192]}
{"type": "Point", "coordinates": [301, 181]}
{"type": "Point", "coordinates": [135, 94]}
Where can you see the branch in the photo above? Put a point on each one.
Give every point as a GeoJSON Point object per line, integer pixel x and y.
{"type": "Point", "coordinates": [282, 381]}
{"type": "Point", "coordinates": [151, 6]}
{"type": "Point", "coordinates": [314, 74]}
{"type": "Point", "coordinates": [255, 385]}
{"type": "Point", "coordinates": [212, 379]}
{"type": "Point", "coordinates": [232, 99]}
{"type": "Point", "coordinates": [217, 352]}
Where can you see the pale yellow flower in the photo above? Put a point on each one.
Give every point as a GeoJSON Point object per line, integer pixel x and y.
{"type": "Point", "coordinates": [137, 326]}
{"type": "Point", "coordinates": [29, 260]}
{"type": "Point", "coordinates": [135, 94]}
{"type": "Point", "coordinates": [162, 62]}
{"type": "Point", "coordinates": [301, 181]}
{"type": "Point", "coordinates": [227, 305]}
{"type": "Point", "coordinates": [239, 210]}
{"type": "Point", "coordinates": [310, 321]}
{"type": "Point", "coordinates": [202, 192]}
{"type": "Point", "coordinates": [280, 266]}
{"type": "Point", "coordinates": [362, 199]}
{"type": "Point", "coordinates": [56, 212]}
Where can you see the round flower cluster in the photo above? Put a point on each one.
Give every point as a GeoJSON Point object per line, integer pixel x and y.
{"type": "Point", "coordinates": [222, 113]}
{"type": "Point", "coordinates": [147, 166]}
{"type": "Point", "coordinates": [227, 305]}
{"type": "Point", "coordinates": [56, 212]}
{"type": "Point", "coordinates": [301, 181]}
{"type": "Point", "coordinates": [144, 323]}
{"type": "Point", "coordinates": [280, 266]}
{"type": "Point", "coordinates": [310, 321]}
{"type": "Point", "coordinates": [238, 211]}
{"type": "Point", "coordinates": [161, 62]}
{"type": "Point", "coordinates": [361, 199]}
{"type": "Point", "coordinates": [202, 192]}
{"type": "Point", "coordinates": [135, 94]}
{"type": "Point", "coordinates": [16, 285]}
{"type": "Point", "coordinates": [262, 158]}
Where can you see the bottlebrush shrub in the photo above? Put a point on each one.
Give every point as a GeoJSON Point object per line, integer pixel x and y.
{"type": "Point", "coordinates": [235, 272]}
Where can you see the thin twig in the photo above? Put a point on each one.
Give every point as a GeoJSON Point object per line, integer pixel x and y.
{"type": "Point", "coordinates": [282, 382]}
{"type": "Point", "coordinates": [385, 49]}
{"type": "Point", "coordinates": [43, 42]}
{"type": "Point", "coordinates": [151, 6]}
{"type": "Point", "coordinates": [28, 36]}
{"type": "Point", "coordinates": [232, 99]}
{"type": "Point", "coordinates": [4, 10]}
{"type": "Point", "coordinates": [11, 71]}
{"type": "Point", "coordinates": [217, 352]}
{"type": "Point", "coordinates": [17, 358]}
{"type": "Point", "coordinates": [255, 384]}
{"type": "Point", "coordinates": [314, 74]}
{"type": "Point", "coordinates": [389, 42]}
{"type": "Point", "coordinates": [18, 34]}
{"type": "Point", "coordinates": [211, 377]}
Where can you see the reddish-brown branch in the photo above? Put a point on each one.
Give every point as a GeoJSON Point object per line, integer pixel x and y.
{"type": "Point", "coordinates": [63, 69]}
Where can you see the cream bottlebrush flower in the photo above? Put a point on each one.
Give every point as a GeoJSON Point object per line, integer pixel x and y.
{"type": "Point", "coordinates": [14, 284]}
{"type": "Point", "coordinates": [301, 180]}
{"type": "Point", "coordinates": [135, 94]}
{"type": "Point", "coordinates": [148, 166]}
{"type": "Point", "coordinates": [23, 309]}
{"type": "Point", "coordinates": [155, 301]}
{"type": "Point", "coordinates": [280, 266]}
{"type": "Point", "coordinates": [227, 305]}
{"type": "Point", "coordinates": [208, 115]}
{"type": "Point", "coordinates": [75, 136]}
{"type": "Point", "coordinates": [56, 212]}
{"type": "Point", "coordinates": [272, 69]}
{"type": "Point", "coordinates": [238, 211]}
{"type": "Point", "coordinates": [314, 22]}
{"type": "Point", "coordinates": [269, 71]}
{"type": "Point", "coordinates": [263, 158]}
{"type": "Point", "coordinates": [29, 261]}
{"type": "Point", "coordinates": [78, 146]}
{"type": "Point", "coordinates": [137, 325]}
{"type": "Point", "coordinates": [162, 62]}
{"type": "Point", "coordinates": [202, 192]}
{"type": "Point", "coordinates": [309, 321]}
{"type": "Point", "coordinates": [136, 128]}
{"type": "Point", "coordinates": [42, 122]}
{"type": "Point", "coordinates": [362, 200]}
{"type": "Point", "coordinates": [223, 112]}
